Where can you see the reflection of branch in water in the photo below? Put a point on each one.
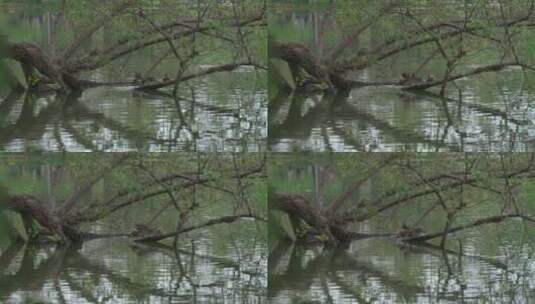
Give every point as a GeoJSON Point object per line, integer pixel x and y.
{"type": "Point", "coordinates": [345, 261]}
{"type": "Point", "coordinates": [28, 125]}
{"type": "Point", "coordinates": [62, 108]}
{"type": "Point", "coordinates": [348, 139]}
{"type": "Point", "coordinates": [77, 261]}
{"type": "Point", "coordinates": [66, 111]}
{"type": "Point", "coordinates": [169, 250]}
{"type": "Point", "coordinates": [325, 287]}
{"type": "Point", "coordinates": [302, 277]}
{"type": "Point", "coordinates": [8, 255]}
{"type": "Point", "coordinates": [209, 107]}
{"type": "Point", "coordinates": [135, 136]}
{"type": "Point", "coordinates": [56, 266]}
{"type": "Point", "coordinates": [79, 137]}
{"type": "Point", "coordinates": [187, 272]}
{"type": "Point", "coordinates": [280, 251]}
{"type": "Point", "coordinates": [57, 137]}
{"type": "Point", "coordinates": [475, 106]}
{"type": "Point", "coordinates": [8, 103]}
{"type": "Point", "coordinates": [298, 125]}
{"type": "Point", "coordinates": [277, 101]}
{"type": "Point", "coordinates": [31, 277]}
{"type": "Point", "coordinates": [437, 251]}
{"type": "Point", "coordinates": [184, 124]}
{"type": "Point", "coordinates": [443, 253]}
{"type": "Point", "coordinates": [33, 127]}
{"type": "Point", "coordinates": [59, 291]}
{"type": "Point", "coordinates": [404, 136]}
{"type": "Point", "coordinates": [74, 286]}
{"type": "Point", "coordinates": [355, 291]}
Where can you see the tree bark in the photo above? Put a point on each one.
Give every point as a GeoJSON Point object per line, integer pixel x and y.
{"type": "Point", "coordinates": [31, 59]}
{"type": "Point", "coordinates": [32, 208]}
{"type": "Point", "coordinates": [300, 208]}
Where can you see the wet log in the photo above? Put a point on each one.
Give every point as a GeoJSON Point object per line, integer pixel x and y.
{"type": "Point", "coordinates": [31, 208]}
{"type": "Point", "coordinates": [299, 56]}
{"type": "Point", "coordinates": [32, 59]}
{"type": "Point", "coordinates": [299, 207]}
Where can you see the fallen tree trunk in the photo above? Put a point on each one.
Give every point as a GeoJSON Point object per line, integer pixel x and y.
{"type": "Point", "coordinates": [32, 59]}
{"type": "Point", "coordinates": [326, 225]}
{"type": "Point", "coordinates": [307, 67]}
{"type": "Point", "coordinates": [31, 208]}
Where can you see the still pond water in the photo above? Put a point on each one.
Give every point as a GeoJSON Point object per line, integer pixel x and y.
{"type": "Point", "coordinates": [379, 271]}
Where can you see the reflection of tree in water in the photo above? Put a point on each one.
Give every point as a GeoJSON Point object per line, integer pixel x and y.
{"type": "Point", "coordinates": [297, 115]}
{"type": "Point", "coordinates": [65, 116]}
{"type": "Point", "coordinates": [337, 273]}
{"type": "Point", "coordinates": [71, 274]}
{"type": "Point", "coordinates": [302, 272]}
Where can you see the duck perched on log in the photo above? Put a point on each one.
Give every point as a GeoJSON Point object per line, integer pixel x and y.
{"type": "Point", "coordinates": [140, 80]}
{"type": "Point", "coordinates": [150, 80]}
{"type": "Point", "coordinates": [143, 230]}
{"type": "Point", "coordinates": [407, 231]}
{"type": "Point", "coordinates": [411, 79]}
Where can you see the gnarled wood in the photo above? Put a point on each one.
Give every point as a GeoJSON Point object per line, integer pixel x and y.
{"type": "Point", "coordinates": [32, 58]}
